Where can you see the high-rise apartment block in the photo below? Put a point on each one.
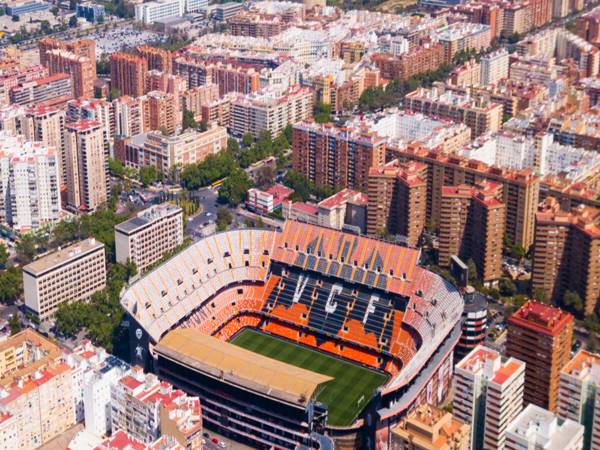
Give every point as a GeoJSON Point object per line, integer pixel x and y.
{"type": "Point", "coordinates": [73, 273]}
{"type": "Point", "coordinates": [331, 156]}
{"type": "Point", "coordinates": [430, 428]}
{"type": "Point", "coordinates": [488, 395]}
{"type": "Point", "coordinates": [269, 111]}
{"type": "Point", "coordinates": [156, 58]}
{"type": "Point", "coordinates": [194, 99]}
{"type": "Point", "coordinates": [417, 60]}
{"type": "Point", "coordinates": [86, 150]}
{"type": "Point", "coordinates": [566, 253]}
{"type": "Point", "coordinates": [128, 116]}
{"type": "Point", "coordinates": [579, 395]}
{"type": "Point", "coordinates": [29, 187]}
{"type": "Point", "coordinates": [145, 408]}
{"type": "Point", "coordinates": [127, 73]}
{"type": "Point", "coordinates": [472, 227]}
{"type": "Point", "coordinates": [537, 427]}
{"type": "Point", "coordinates": [145, 238]}
{"type": "Point", "coordinates": [541, 336]}
{"type": "Point", "coordinates": [397, 200]}
{"type": "Point", "coordinates": [80, 68]}
{"type": "Point", "coordinates": [520, 188]}
{"type": "Point", "coordinates": [161, 111]}
{"type": "Point", "coordinates": [85, 48]}
{"type": "Point", "coordinates": [478, 114]}
{"type": "Point", "coordinates": [47, 125]}
{"type": "Point", "coordinates": [494, 67]}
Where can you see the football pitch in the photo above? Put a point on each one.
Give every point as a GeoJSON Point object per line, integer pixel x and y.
{"type": "Point", "coordinates": [352, 382]}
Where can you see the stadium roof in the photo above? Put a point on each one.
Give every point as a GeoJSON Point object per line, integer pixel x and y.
{"type": "Point", "coordinates": [240, 366]}
{"type": "Point", "coordinates": [358, 259]}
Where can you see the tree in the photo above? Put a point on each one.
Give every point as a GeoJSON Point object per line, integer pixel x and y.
{"type": "Point", "coordinates": [506, 287]}
{"type": "Point", "coordinates": [234, 188]}
{"type": "Point", "coordinates": [224, 218]}
{"type": "Point", "coordinates": [26, 249]}
{"type": "Point", "coordinates": [103, 66]}
{"type": "Point", "coordinates": [189, 121]}
{"type": "Point", "coordinates": [116, 167]}
{"type": "Point", "coordinates": [472, 267]}
{"type": "Point", "coordinates": [14, 324]}
{"type": "Point", "coordinates": [541, 295]}
{"type": "Point", "coordinates": [54, 10]}
{"type": "Point", "coordinates": [573, 301]}
{"type": "Point", "coordinates": [247, 139]}
{"type": "Point", "coordinates": [322, 113]}
{"type": "Point", "coordinates": [114, 93]}
{"type": "Point", "coordinates": [73, 21]}
{"type": "Point", "coordinates": [233, 146]}
{"type": "Point", "coordinates": [3, 255]}
{"type": "Point", "coordinates": [265, 176]}
{"type": "Point", "coordinates": [213, 168]}
{"type": "Point", "coordinates": [11, 285]}
{"type": "Point", "coordinates": [150, 174]}
{"type": "Point", "coordinates": [45, 27]}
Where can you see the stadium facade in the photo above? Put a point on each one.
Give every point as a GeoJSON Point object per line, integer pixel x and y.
{"type": "Point", "coordinates": [355, 298]}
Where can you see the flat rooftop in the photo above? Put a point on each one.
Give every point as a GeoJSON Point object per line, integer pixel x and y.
{"type": "Point", "coordinates": [147, 217]}
{"type": "Point", "coordinates": [62, 256]}
{"type": "Point", "coordinates": [242, 367]}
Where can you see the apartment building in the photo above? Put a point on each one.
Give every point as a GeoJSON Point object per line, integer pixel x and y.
{"type": "Point", "coordinates": [517, 18]}
{"type": "Point", "coordinates": [397, 196]}
{"type": "Point", "coordinates": [537, 427]}
{"type": "Point", "coordinates": [230, 78]}
{"type": "Point", "coordinates": [86, 151]}
{"type": "Point", "coordinates": [484, 13]}
{"type": "Point", "coordinates": [51, 88]}
{"type": "Point", "coordinates": [488, 396]}
{"type": "Point", "coordinates": [541, 336]}
{"type": "Point", "coordinates": [161, 112]}
{"type": "Point", "coordinates": [194, 99]}
{"type": "Point", "coordinates": [217, 112]}
{"type": "Point", "coordinates": [418, 60]}
{"type": "Point", "coordinates": [474, 324]}
{"type": "Point", "coordinates": [46, 124]}
{"type": "Point", "coordinates": [85, 48]}
{"type": "Point", "coordinates": [467, 75]}
{"type": "Point", "coordinates": [269, 111]}
{"type": "Point", "coordinates": [156, 58]}
{"type": "Point", "coordinates": [128, 117]}
{"type": "Point", "coordinates": [195, 70]}
{"type": "Point", "coordinates": [430, 428]}
{"type": "Point", "coordinates": [80, 68]}
{"type": "Point", "coordinates": [336, 157]}
{"type": "Point", "coordinates": [344, 208]}
{"type": "Point", "coordinates": [95, 109]}
{"type": "Point", "coordinates": [165, 82]}
{"type": "Point", "coordinates": [73, 273]}
{"type": "Point", "coordinates": [472, 227]}
{"type": "Point", "coordinates": [520, 188]}
{"type": "Point", "coordinates": [29, 187]}
{"type": "Point", "coordinates": [588, 26]}
{"type": "Point", "coordinates": [36, 392]}
{"type": "Point", "coordinates": [164, 152]}
{"type": "Point", "coordinates": [127, 73]}
{"type": "Point", "coordinates": [463, 36]}
{"type": "Point", "coordinates": [478, 114]}
{"type": "Point", "coordinates": [143, 406]}
{"type": "Point", "coordinates": [566, 254]}
{"type": "Point", "coordinates": [147, 237]}
{"type": "Point", "coordinates": [256, 25]}
{"type": "Point", "coordinates": [494, 67]}
{"type": "Point", "coordinates": [579, 396]}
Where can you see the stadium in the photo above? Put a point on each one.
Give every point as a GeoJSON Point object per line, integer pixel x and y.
{"type": "Point", "coordinates": [307, 337]}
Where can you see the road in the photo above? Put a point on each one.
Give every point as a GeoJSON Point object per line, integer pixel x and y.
{"type": "Point", "coordinates": [207, 198]}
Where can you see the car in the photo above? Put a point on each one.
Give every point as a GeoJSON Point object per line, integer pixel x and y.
{"type": "Point", "coordinates": [205, 434]}
{"type": "Point", "coordinates": [203, 441]}
{"type": "Point", "coordinates": [208, 214]}
{"type": "Point", "coordinates": [215, 440]}
{"type": "Point", "coordinates": [222, 444]}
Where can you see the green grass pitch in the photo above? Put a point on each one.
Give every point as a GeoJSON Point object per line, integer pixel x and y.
{"type": "Point", "coordinates": [341, 395]}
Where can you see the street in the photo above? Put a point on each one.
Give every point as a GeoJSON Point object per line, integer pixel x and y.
{"type": "Point", "coordinates": [207, 198]}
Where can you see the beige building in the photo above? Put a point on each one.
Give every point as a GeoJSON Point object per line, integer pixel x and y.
{"type": "Point", "coordinates": [36, 392]}
{"type": "Point", "coordinates": [148, 236]}
{"type": "Point", "coordinates": [86, 151]}
{"type": "Point", "coordinates": [190, 147]}
{"type": "Point", "coordinates": [430, 428]}
{"type": "Point", "coordinates": [70, 274]}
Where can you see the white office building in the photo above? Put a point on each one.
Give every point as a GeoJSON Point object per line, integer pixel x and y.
{"type": "Point", "coordinates": [538, 428]}
{"type": "Point", "coordinates": [150, 12]}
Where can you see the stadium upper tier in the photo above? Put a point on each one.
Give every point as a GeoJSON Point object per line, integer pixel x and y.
{"type": "Point", "coordinates": [338, 285]}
